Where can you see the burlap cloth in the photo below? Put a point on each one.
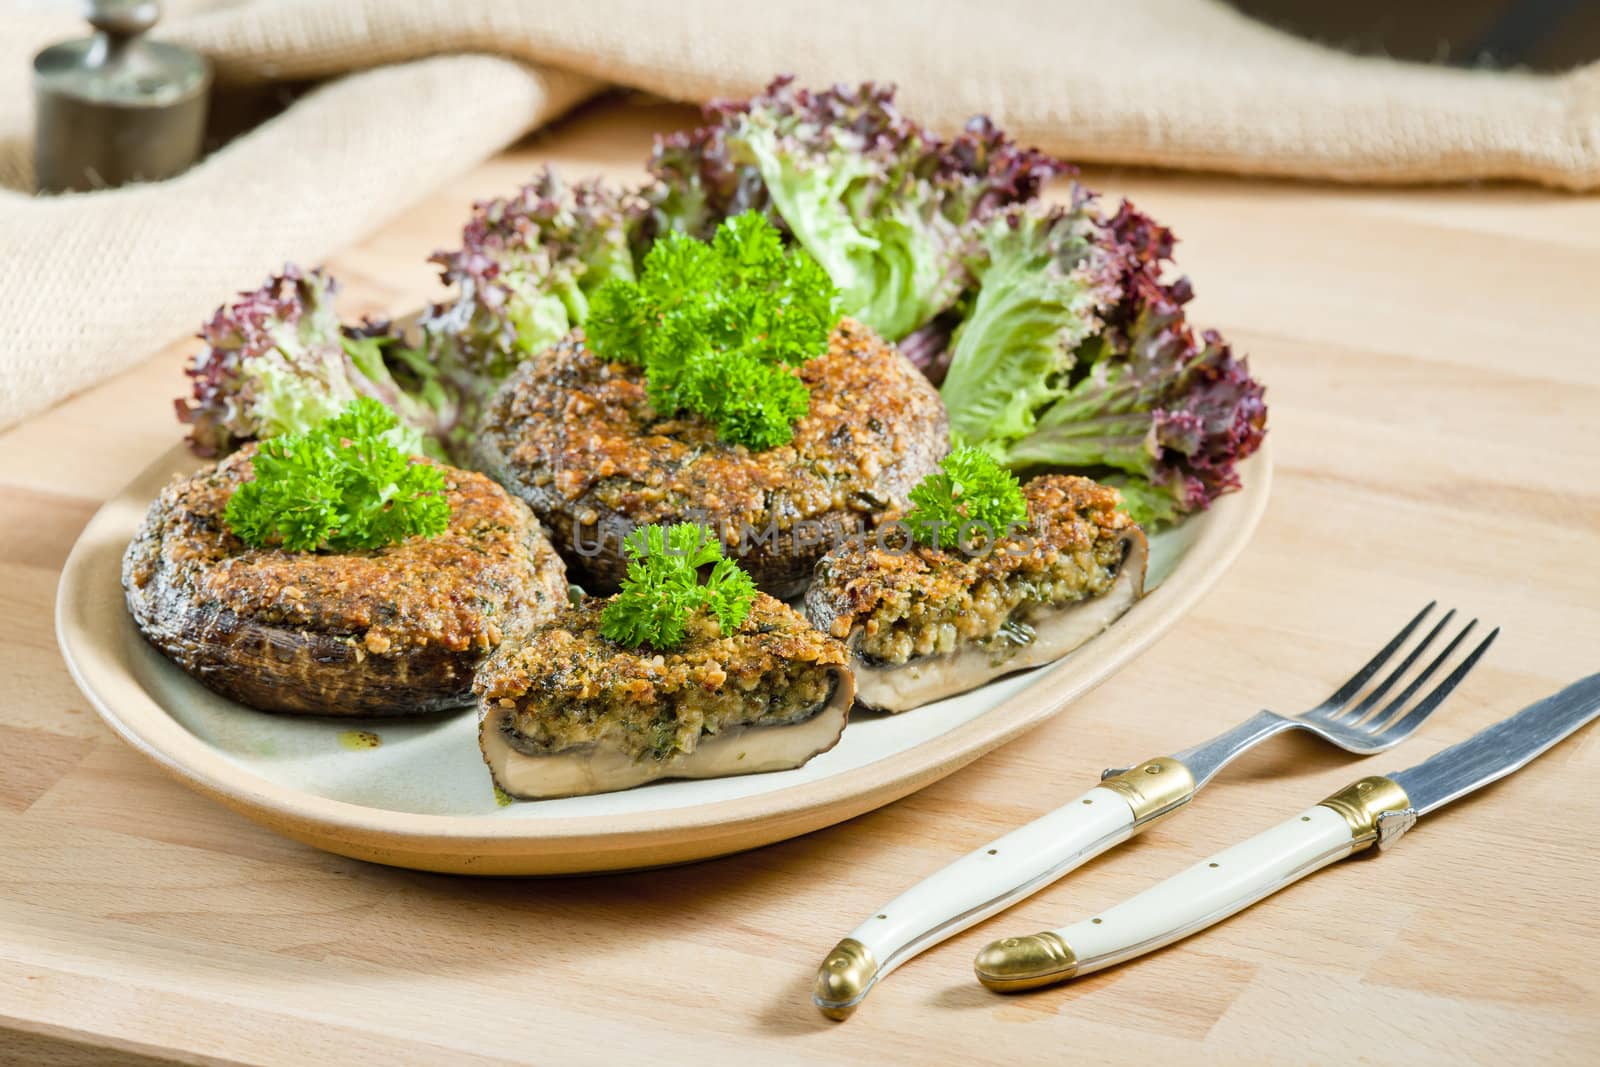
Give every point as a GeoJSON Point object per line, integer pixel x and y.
{"type": "Point", "coordinates": [425, 88]}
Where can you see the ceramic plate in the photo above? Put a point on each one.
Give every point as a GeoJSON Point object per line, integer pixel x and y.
{"type": "Point", "coordinates": [416, 794]}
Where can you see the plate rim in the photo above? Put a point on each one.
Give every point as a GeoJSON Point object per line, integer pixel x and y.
{"type": "Point", "coordinates": [459, 842]}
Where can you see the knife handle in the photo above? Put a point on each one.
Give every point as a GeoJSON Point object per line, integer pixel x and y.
{"type": "Point", "coordinates": [996, 876]}
{"type": "Point", "coordinates": [968, 891]}
{"type": "Point", "coordinates": [1206, 893]}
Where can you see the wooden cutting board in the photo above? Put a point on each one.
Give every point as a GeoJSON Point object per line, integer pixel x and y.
{"type": "Point", "coordinates": [1433, 363]}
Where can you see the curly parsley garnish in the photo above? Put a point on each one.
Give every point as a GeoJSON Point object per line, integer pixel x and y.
{"type": "Point", "coordinates": [663, 587]}
{"type": "Point", "coordinates": [719, 327]}
{"type": "Point", "coordinates": [341, 485]}
{"type": "Point", "coordinates": [970, 497]}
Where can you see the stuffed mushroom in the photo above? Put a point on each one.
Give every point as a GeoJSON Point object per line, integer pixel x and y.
{"type": "Point", "coordinates": [577, 438]}
{"type": "Point", "coordinates": [566, 711]}
{"type": "Point", "coordinates": [925, 623]}
{"type": "Point", "coordinates": [393, 630]}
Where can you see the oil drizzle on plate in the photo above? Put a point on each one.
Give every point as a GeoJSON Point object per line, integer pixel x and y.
{"type": "Point", "coordinates": [359, 739]}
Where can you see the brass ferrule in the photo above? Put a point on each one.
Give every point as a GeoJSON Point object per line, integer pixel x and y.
{"type": "Point", "coordinates": [1154, 789]}
{"type": "Point", "coordinates": [1017, 963]}
{"type": "Point", "coordinates": [843, 979]}
{"type": "Point", "coordinates": [1363, 802]}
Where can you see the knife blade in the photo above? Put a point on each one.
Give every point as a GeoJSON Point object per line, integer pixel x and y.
{"type": "Point", "coordinates": [1504, 748]}
{"type": "Point", "coordinates": [1372, 811]}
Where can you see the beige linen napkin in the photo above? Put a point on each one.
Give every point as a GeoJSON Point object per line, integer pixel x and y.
{"type": "Point", "coordinates": [92, 283]}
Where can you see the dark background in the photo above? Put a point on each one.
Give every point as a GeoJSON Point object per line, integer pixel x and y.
{"type": "Point", "coordinates": [1542, 35]}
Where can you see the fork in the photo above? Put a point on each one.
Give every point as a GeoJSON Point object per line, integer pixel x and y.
{"type": "Point", "coordinates": [1126, 801]}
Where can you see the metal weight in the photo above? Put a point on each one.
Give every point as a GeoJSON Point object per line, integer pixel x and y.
{"type": "Point", "coordinates": [117, 108]}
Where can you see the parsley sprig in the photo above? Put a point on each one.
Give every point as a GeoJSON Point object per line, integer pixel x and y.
{"type": "Point", "coordinates": [341, 485]}
{"type": "Point", "coordinates": [718, 327]}
{"type": "Point", "coordinates": [970, 497]}
{"type": "Point", "coordinates": [663, 588]}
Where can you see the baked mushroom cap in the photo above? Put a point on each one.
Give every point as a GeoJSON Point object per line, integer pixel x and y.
{"type": "Point", "coordinates": [924, 623]}
{"type": "Point", "coordinates": [392, 631]}
{"type": "Point", "coordinates": [576, 438]}
{"type": "Point", "coordinates": [564, 711]}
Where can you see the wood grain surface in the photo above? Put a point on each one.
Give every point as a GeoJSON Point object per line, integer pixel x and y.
{"type": "Point", "coordinates": [1434, 378]}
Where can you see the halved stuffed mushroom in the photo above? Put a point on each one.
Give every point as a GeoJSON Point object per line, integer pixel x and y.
{"type": "Point", "coordinates": [923, 623]}
{"type": "Point", "coordinates": [567, 711]}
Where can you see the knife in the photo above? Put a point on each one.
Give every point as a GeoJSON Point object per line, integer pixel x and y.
{"type": "Point", "coordinates": [1372, 811]}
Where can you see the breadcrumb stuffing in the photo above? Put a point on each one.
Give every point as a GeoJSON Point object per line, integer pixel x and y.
{"type": "Point", "coordinates": [895, 603]}
{"type": "Point", "coordinates": [570, 686]}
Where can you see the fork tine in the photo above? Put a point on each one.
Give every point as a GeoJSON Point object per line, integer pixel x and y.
{"type": "Point", "coordinates": [1393, 713]}
{"type": "Point", "coordinates": [1395, 675]}
{"type": "Point", "coordinates": [1343, 695]}
{"type": "Point", "coordinates": [1407, 722]}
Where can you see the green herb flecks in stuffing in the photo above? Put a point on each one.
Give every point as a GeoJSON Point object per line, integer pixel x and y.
{"type": "Point", "coordinates": [663, 588]}
{"type": "Point", "coordinates": [719, 327]}
{"type": "Point", "coordinates": [969, 498]}
{"type": "Point", "coordinates": [341, 486]}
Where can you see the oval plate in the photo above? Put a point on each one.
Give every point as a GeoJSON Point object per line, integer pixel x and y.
{"type": "Point", "coordinates": [415, 793]}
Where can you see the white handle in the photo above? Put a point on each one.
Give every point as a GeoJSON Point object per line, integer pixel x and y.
{"type": "Point", "coordinates": [1186, 903]}
{"type": "Point", "coordinates": [970, 890]}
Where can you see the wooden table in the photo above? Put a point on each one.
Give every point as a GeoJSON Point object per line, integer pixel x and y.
{"type": "Point", "coordinates": [1433, 358]}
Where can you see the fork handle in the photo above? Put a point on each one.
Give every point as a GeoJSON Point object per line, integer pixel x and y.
{"type": "Point", "coordinates": [995, 876]}
{"type": "Point", "coordinates": [1206, 893]}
